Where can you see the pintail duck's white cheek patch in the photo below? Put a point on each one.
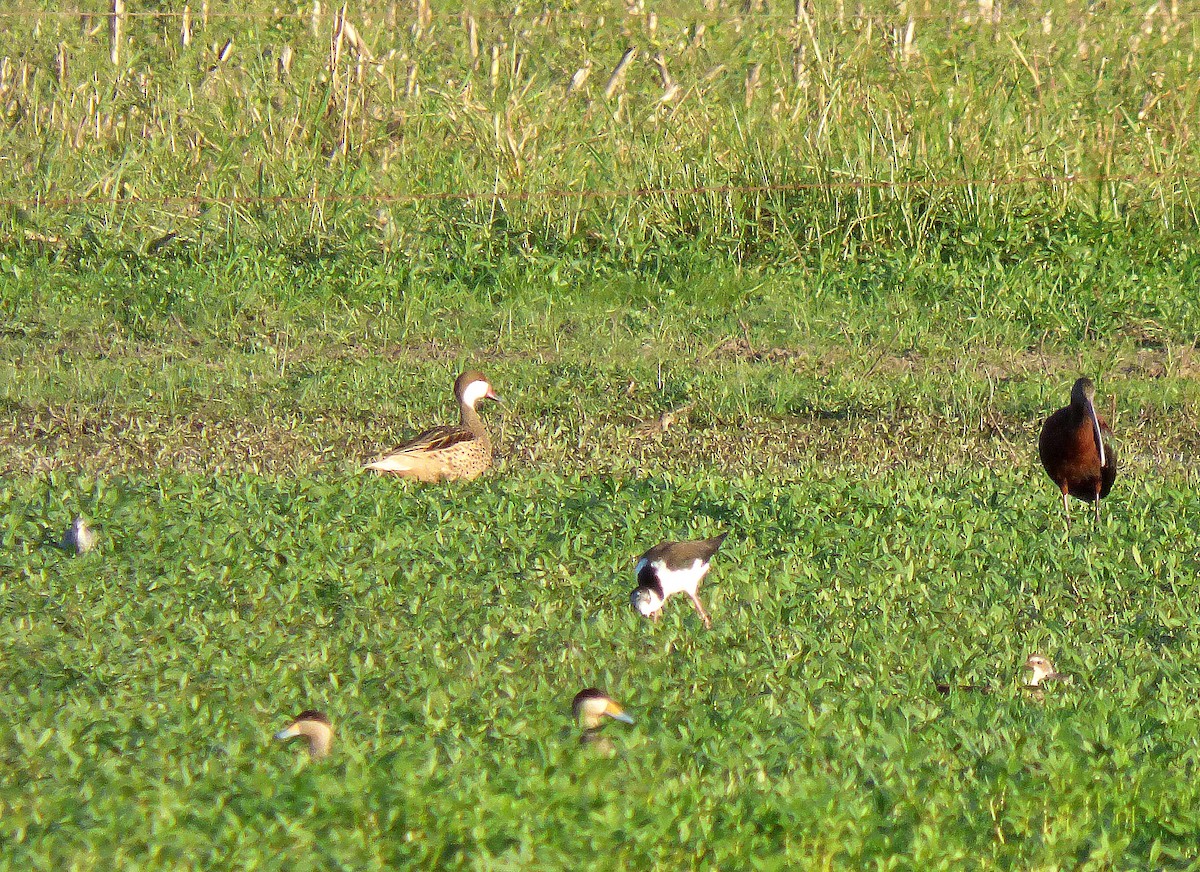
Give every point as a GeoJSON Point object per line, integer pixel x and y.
{"type": "Point", "coordinates": [475, 392]}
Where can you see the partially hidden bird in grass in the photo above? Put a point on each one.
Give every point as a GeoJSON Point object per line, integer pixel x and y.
{"type": "Point", "coordinates": [671, 568]}
{"type": "Point", "coordinates": [316, 729]}
{"type": "Point", "coordinates": [591, 709]}
{"type": "Point", "coordinates": [1076, 449]}
{"type": "Point", "coordinates": [453, 451]}
{"type": "Point", "coordinates": [79, 537]}
{"type": "Point", "coordinates": [1042, 671]}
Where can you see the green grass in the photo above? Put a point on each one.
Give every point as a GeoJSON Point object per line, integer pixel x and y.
{"type": "Point", "coordinates": [445, 630]}
{"type": "Point", "coordinates": [1059, 92]}
{"type": "Point", "coordinates": [861, 372]}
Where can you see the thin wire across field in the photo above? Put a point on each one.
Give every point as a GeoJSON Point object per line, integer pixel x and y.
{"type": "Point", "coordinates": [565, 194]}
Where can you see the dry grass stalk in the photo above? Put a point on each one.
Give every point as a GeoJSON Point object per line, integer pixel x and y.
{"type": "Point", "coordinates": [472, 39]}
{"type": "Point", "coordinates": [116, 21]}
{"type": "Point", "coordinates": [1037, 80]}
{"type": "Point", "coordinates": [618, 73]}
{"type": "Point", "coordinates": [60, 64]}
{"type": "Point", "coordinates": [285, 61]}
{"type": "Point", "coordinates": [335, 46]}
{"type": "Point", "coordinates": [579, 78]}
{"type": "Point", "coordinates": [361, 49]}
{"type": "Point", "coordinates": [907, 49]}
{"type": "Point", "coordinates": [753, 82]}
{"type": "Point", "coordinates": [651, 24]}
{"type": "Point", "coordinates": [660, 62]}
{"type": "Point", "coordinates": [697, 36]}
{"type": "Point", "coordinates": [204, 13]}
{"type": "Point", "coordinates": [799, 67]}
{"type": "Point", "coordinates": [1148, 102]}
{"type": "Point", "coordinates": [494, 70]}
{"type": "Point", "coordinates": [316, 18]}
{"type": "Point", "coordinates": [185, 27]}
{"type": "Point", "coordinates": [670, 86]}
{"type": "Point", "coordinates": [424, 14]}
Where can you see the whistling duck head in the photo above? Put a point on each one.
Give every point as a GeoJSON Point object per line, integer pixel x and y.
{"type": "Point", "coordinates": [313, 726]}
{"type": "Point", "coordinates": [590, 707]}
{"type": "Point", "coordinates": [1042, 668]}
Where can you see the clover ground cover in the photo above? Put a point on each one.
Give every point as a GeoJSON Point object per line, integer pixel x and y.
{"type": "Point", "coordinates": [445, 631]}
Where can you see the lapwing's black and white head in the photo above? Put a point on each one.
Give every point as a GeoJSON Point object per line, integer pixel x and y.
{"type": "Point", "coordinates": [315, 727]}
{"type": "Point", "coordinates": [671, 568]}
{"type": "Point", "coordinates": [646, 600]}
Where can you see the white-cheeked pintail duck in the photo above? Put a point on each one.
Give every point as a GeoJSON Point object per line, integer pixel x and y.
{"type": "Point", "coordinates": [462, 451]}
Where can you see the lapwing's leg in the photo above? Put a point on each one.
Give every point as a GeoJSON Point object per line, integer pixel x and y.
{"type": "Point", "coordinates": [700, 608]}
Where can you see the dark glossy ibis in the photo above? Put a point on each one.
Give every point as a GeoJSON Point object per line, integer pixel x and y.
{"type": "Point", "coordinates": [1076, 449]}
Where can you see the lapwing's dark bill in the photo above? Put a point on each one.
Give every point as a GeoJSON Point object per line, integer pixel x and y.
{"type": "Point", "coordinates": [1077, 451]}
{"type": "Point", "coordinates": [462, 451]}
{"type": "Point", "coordinates": [315, 727]}
{"type": "Point", "coordinates": [671, 568]}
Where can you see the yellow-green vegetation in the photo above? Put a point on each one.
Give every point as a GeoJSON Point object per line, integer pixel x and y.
{"type": "Point", "coordinates": [820, 294]}
{"type": "Point", "coordinates": [271, 102]}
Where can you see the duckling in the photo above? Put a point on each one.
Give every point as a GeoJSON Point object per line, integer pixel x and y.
{"type": "Point", "coordinates": [315, 727]}
{"type": "Point", "coordinates": [79, 537]}
{"type": "Point", "coordinates": [461, 451]}
{"type": "Point", "coordinates": [671, 568]}
{"type": "Point", "coordinates": [1043, 670]}
{"type": "Point", "coordinates": [589, 708]}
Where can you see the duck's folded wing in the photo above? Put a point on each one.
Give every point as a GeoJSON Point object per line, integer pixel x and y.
{"type": "Point", "coordinates": [435, 439]}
